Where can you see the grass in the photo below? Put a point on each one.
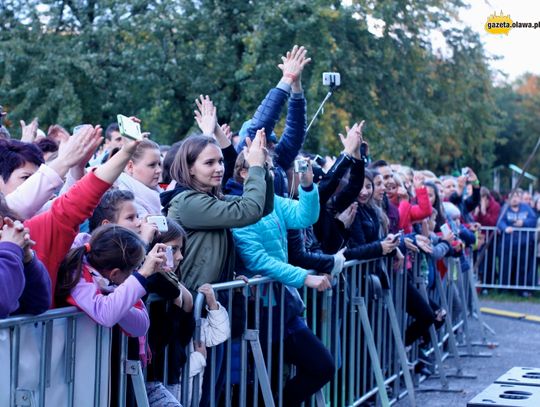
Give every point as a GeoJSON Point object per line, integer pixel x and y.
{"type": "Point", "coordinates": [510, 296]}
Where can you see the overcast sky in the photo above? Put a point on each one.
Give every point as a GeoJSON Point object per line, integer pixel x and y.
{"type": "Point", "coordinates": [518, 49]}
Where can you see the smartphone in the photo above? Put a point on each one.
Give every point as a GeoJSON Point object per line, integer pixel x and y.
{"type": "Point", "coordinates": [169, 257]}
{"type": "Point", "coordinates": [160, 221]}
{"type": "Point", "coordinates": [129, 128]}
{"type": "Point", "coordinates": [464, 171]}
{"type": "Point", "coordinates": [331, 79]}
{"type": "Point", "coordinates": [445, 229]}
{"type": "Point", "coordinates": [300, 166]}
{"type": "Point", "coordinates": [397, 236]}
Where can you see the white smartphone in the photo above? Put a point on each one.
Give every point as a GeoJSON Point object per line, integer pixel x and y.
{"type": "Point", "coordinates": [445, 229]}
{"type": "Point", "coordinates": [169, 256]}
{"type": "Point", "coordinates": [129, 128]}
{"type": "Point", "coordinates": [160, 221]}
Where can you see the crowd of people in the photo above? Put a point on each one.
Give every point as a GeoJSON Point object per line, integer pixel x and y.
{"type": "Point", "coordinates": [82, 223]}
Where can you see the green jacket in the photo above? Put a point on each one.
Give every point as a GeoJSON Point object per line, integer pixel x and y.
{"type": "Point", "coordinates": [209, 250]}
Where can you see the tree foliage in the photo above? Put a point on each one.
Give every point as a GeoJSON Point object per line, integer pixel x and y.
{"type": "Point", "coordinates": [78, 61]}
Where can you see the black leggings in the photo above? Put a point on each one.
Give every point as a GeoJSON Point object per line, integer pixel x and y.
{"type": "Point", "coordinates": [422, 312]}
{"type": "Point", "coordinates": [314, 366]}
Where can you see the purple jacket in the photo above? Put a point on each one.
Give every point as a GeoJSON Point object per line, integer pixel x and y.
{"type": "Point", "coordinates": [24, 288]}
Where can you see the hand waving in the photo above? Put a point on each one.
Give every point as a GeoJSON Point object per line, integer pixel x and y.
{"type": "Point", "coordinates": [206, 115]}
{"type": "Point", "coordinates": [293, 64]}
{"type": "Point", "coordinates": [353, 140]}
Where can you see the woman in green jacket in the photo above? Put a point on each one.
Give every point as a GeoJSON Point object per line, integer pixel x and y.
{"type": "Point", "coordinates": [207, 215]}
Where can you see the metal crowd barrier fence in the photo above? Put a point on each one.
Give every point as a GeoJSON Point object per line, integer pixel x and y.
{"type": "Point", "coordinates": [361, 321]}
{"type": "Point", "coordinates": [510, 260]}
{"type": "Point", "coordinates": [63, 358]}
{"type": "Point", "coordinates": [54, 359]}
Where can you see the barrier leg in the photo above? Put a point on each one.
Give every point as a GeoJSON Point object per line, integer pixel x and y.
{"type": "Point", "coordinates": [476, 312]}
{"type": "Point", "coordinates": [450, 332]}
{"type": "Point", "coordinates": [134, 369]}
{"type": "Point", "coordinates": [436, 349]}
{"type": "Point", "coordinates": [465, 318]}
{"type": "Point", "coordinates": [252, 336]}
{"type": "Point", "coordinates": [400, 347]}
{"type": "Point", "coordinates": [375, 363]}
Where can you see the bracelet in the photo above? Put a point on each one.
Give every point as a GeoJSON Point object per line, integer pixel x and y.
{"type": "Point", "coordinates": [291, 76]}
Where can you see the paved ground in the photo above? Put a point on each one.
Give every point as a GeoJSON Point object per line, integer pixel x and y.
{"type": "Point", "coordinates": [519, 343]}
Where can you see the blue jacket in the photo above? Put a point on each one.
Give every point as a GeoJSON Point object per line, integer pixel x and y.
{"type": "Point", "coordinates": [262, 247]}
{"type": "Point", "coordinates": [290, 143]}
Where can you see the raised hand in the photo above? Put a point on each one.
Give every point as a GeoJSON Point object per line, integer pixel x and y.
{"type": "Point", "coordinates": [353, 140]}
{"type": "Point", "coordinates": [79, 148]}
{"type": "Point", "coordinates": [226, 130]}
{"type": "Point", "coordinates": [255, 152]}
{"type": "Point", "coordinates": [293, 64]}
{"type": "Point", "coordinates": [347, 216]}
{"type": "Point", "coordinates": [206, 115]}
{"type": "Point", "coordinates": [418, 180]}
{"type": "Point", "coordinates": [58, 134]}
{"type": "Point", "coordinates": [29, 131]}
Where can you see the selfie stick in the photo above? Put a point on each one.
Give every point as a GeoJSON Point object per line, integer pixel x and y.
{"type": "Point", "coordinates": [333, 87]}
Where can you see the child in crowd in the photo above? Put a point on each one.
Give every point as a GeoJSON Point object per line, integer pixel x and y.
{"type": "Point", "coordinates": [141, 176]}
{"type": "Point", "coordinates": [100, 278]}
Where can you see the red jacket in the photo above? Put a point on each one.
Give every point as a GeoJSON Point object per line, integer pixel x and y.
{"type": "Point", "coordinates": [492, 213]}
{"type": "Point", "coordinates": [409, 213]}
{"type": "Point", "coordinates": [55, 229]}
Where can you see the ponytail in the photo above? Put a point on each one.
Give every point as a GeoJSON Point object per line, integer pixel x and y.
{"type": "Point", "coordinates": [70, 273]}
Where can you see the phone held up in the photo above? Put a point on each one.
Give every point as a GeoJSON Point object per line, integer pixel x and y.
{"type": "Point", "coordinates": [332, 79]}
{"type": "Point", "coordinates": [129, 128]}
{"type": "Point", "coordinates": [160, 221]}
{"type": "Point", "coordinates": [300, 166]}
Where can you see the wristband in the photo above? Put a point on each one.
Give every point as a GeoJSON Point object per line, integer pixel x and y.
{"type": "Point", "coordinates": [291, 76]}
{"type": "Point", "coordinates": [476, 183]}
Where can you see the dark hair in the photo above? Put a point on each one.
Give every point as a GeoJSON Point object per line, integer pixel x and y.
{"type": "Point", "coordinates": [46, 145]}
{"type": "Point", "coordinates": [109, 207]}
{"type": "Point", "coordinates": [111, 246]}
{"type": "Point", "coordinates": [144, 145]}
{"type": "Point", "coordinates": [15, 154]}
{"type": "Point", "coordinates": [378, 164]}
{"type": "Point", "coordinates": [167, 162]}
{"type": "Point", "coordinates": [440, 219]}
{"type": "Point", "coordinates": [174, 231]}
{"type": "Point", "coordinates": [186, 156]}
{"type": "Point", "coordinates": [111, 128]}
{"type": "Point", "coordinates": [6, 211]}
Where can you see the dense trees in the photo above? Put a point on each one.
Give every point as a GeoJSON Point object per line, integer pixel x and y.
{"type": "Point", "coordinates": [75, 61]}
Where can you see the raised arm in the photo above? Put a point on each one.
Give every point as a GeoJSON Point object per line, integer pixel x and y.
{"type": "Point", "coordinates": [269, 111]}
{"type": "Point", "coordinates": [32, 194]}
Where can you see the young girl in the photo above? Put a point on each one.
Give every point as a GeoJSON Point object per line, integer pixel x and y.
{"type": "Point", "coordinates": [141, 176]}
{"type": "Point", "coordinates": [170, 307]}
{"type": "Point", "coordinates": [118, 207]}
{"type": "Point", "coordinates": [100, 278]}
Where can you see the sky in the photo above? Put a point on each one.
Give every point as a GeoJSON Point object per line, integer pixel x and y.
{"type": "Point", "coordinates": [519, 49]}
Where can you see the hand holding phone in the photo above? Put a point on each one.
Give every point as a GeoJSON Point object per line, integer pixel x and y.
{"type": "Point", "coordinates": [129, 128]}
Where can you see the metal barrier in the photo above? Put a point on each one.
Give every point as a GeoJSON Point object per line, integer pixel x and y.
{"type": "Point", "coordinates": [510, 260]}
{"type": "Point", "coordinates": [44, 363]}
{"type": "Point", "coordinates": [362, 322]}
{"type": "Point", "coordinates": [356, 320]}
